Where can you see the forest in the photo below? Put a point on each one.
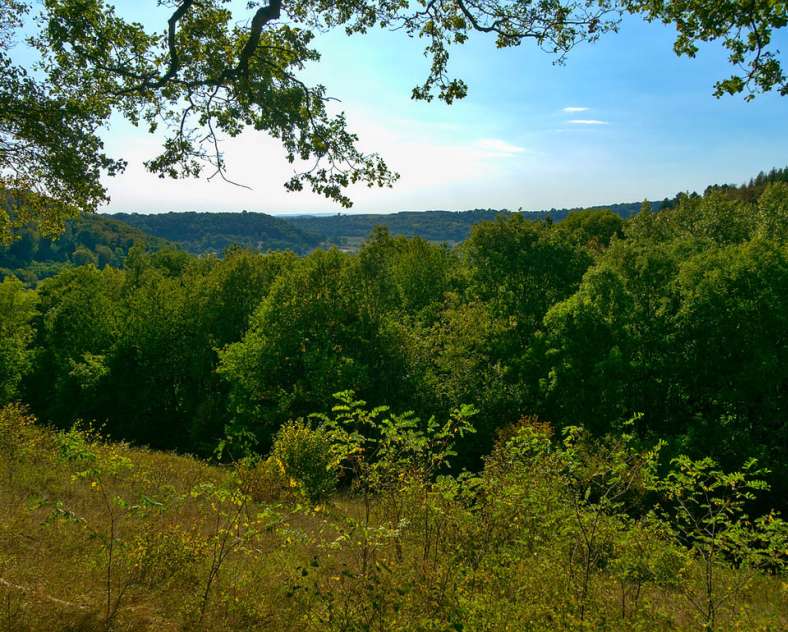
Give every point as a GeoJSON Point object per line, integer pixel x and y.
{"type": "Point", "coordinates": [202, 233]}
{"type": "Point", "coordinates": [106, 239]}
{"type": "Point", "coordinates": [95, 239]}
{"type": "Point", "coordinates": [451, 227]}
{"type": "Point", "coordinates": [480, 421]}
{"type": "Point", "coordinates": [594, 405]}
{"type": "Point", "coordinates": [677, 317]}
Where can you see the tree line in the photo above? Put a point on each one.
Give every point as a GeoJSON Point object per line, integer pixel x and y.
{"type": "Point", "coordinates": [202, 233]}
{"type": "Point", "coordinates": [31, 256]}
{"type": "Point", "coordinates": [211, 71]}
{"type": "Point", "coordinates": [678, 318]}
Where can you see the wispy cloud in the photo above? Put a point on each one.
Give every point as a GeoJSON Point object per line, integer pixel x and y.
{"type": "Point", "coordinates": [587, 122]}
{"type": "Point", "coordinates": [573, 109]}
{"type": "Point", "coordinates": [498, 147]}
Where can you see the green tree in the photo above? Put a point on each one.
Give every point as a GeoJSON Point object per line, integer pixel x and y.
{"type": "Point", "coordinates": [406, 276]}
{"type": "Point", "coordinates": [592, 229]}
{"type": "Point", "coordinates": [744, 28]}
{"type": "Point", "coordinates": [522, 268]}
{"type": "Point", "coordinates": [462, 358]}
{"type": "Point", "coordinates": [82, 256]}
{"type": "Point", "coordinates": [81, 315]}
{"type": "Point", "coordinates": [17, 309]}
{"type": "Point", "coordinates": [773, 212]}
{"type": "Point", "coordinates": [587, 348]}
{"type": "Point", "coordinates": [706, 508]}
{"type": "Point", "coordinates": [732, 350]}
{"type": "Point", "coordinates": [212, 73]}
{"type": "Point", "coordinates": [517, 269]}
{"type": "Point", "coordinates": [310, 337]}
{"type": "Point", "coordinates": [683, 321]}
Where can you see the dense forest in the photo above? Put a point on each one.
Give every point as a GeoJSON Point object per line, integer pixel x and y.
{"type": "Point", "coordinates": [454, 422]}
{"type": "Point", "coordinates": [94, 239]}
{"type": "Point", "coordinates": [438, 226]}
{"type": "Point", "coordinates": [569, 424]}
{"type": "Point", "coordinates": [106, 239]}
{"type": "Point", "coordinates": [676, 317]}
{"type": "Point", "coordinates": [752, 190]}
{"type": "Point", "coordinates": [203, 233]}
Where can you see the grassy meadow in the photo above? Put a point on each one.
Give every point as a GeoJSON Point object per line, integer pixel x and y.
{"type": "Point", "coordinates": [103, 536]}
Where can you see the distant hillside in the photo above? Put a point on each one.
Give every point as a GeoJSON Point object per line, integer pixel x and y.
{"type": "Point", "coordinates": [455, 226]}
{"type": "Point", "coordinates": [442, 226]}
{"type": "Point", "coordinates": [105, 240]}
{"type": "Point", "coordinates": [431, 225]}
{"type": "Point", "coordinates": [95, 239]}
{"type": "Point", "coordinates": [751, 191]}
{"type": "Point", "coordinates": [201, 233]}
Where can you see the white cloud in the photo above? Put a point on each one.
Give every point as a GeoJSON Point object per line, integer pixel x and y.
{"type": "Point", "coordinates": [438, 168]}
{"type": "Point", "coordinates": [575, 109]}
{"type": "Point", "coordinates": [587, 122]}
{"type": "Point", "coordinates": [495, 147]}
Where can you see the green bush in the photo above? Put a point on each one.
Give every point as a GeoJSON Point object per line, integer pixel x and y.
{"type": "Point", "coordinates": [19, 437]}
{"type": "Point", "coordinates": [305, 455]}
{"type": "Point", "coordinates": [263, 480]}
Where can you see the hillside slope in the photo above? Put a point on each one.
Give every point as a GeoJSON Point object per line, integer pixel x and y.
{"type": "Point", "coordinates": [96, 239]}
{"type": "Point", "coordinates": [438, 226]}
{"type": "Point", "coordinates": [201, 233]}
{"type": "Point", "coordinates": [98, 536]}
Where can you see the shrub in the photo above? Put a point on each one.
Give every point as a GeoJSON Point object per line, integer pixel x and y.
{"type": "Point", "coordinates": [305, 455]}
{"type": "Point", "coordinates": [19, 437]}
{"type": "Point", "coordinates": [262, 479]}
{"type": "Point", "coordinates": [706, 508]}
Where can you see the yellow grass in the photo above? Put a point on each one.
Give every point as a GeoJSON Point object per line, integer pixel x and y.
{"type": "Point", "coordinates": [287, 566]}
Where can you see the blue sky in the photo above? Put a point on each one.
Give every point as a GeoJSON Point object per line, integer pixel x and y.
{"type": "Point", "coordinates": [650, 128]}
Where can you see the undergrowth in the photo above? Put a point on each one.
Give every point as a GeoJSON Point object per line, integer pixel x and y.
{"type": "Point", "coordinates": [352, 524]}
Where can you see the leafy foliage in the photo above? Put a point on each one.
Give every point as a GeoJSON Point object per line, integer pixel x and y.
{"type": "Point", "coordinates": [216, 70]}
{"type": "Point", "coordinates": [745, 29]}
{"type": "Point", "coordinates": [447, 226]}
{"type": "Point", "coordinates": [91, 239]}
{"type": "Point", "coordinates": [306, 455]}
{"type": "Point", "coordinates": [17, 309]}
{"type": "Point", "coordinates": [201, 233]}
{"type": "Point", "coordinates": [706, 508]}
{"type": "Point", "coordinates": [124, 536]}
{"type": "Point", "coordinates": [675, 316]}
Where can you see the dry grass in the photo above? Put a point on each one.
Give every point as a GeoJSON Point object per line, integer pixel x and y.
{"type": "Point", "coordinates": [190, 552]}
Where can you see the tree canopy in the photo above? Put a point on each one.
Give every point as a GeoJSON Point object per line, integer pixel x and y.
{"type": "Point", "coordinates": [677, 317]}
{"type": "Point", "coordinates": [211, 72]}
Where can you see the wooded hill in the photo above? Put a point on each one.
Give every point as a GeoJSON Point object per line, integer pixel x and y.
{"type": "Point", "coordinates": [679, 315]}
{"type": "Point", "coordinates": [106, 239]}
{"type": "Point", "coordinates": [202, 233]}
{"type": "Point", "coordinates": [437, 226]}
{"type": "Point", "coordinates": [596, 435]}
{"type": "Point", "coordinates": [95, 239]}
